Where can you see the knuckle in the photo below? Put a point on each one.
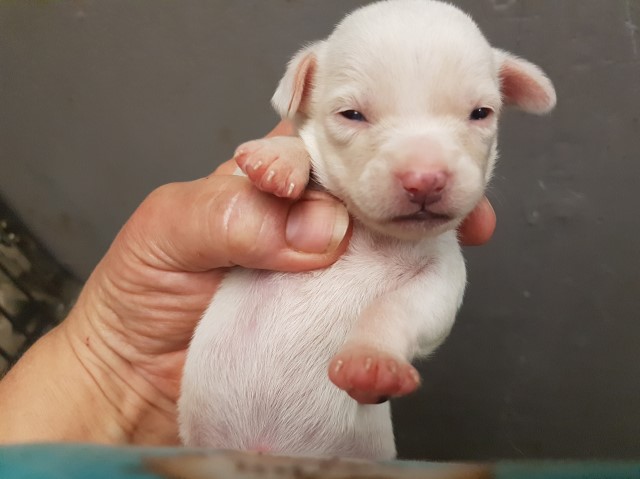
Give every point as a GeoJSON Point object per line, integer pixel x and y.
{"type": "Point", "coordinates": [245, 231]}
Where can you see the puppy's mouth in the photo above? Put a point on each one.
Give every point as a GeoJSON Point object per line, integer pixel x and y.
{"type": "Point", "coordinates": [423, 216]}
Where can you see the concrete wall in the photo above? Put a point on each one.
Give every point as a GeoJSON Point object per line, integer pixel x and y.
{"type": "Point", "coordinates": [102, 101]}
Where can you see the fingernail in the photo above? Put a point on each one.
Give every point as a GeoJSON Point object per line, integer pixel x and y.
{"type": "Point", "coordinates": [316, 226]}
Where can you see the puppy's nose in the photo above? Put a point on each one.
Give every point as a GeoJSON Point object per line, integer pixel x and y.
{"type": "Point", "coordinates": [424, 187]}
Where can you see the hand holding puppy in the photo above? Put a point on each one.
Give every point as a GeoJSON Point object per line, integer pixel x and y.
{"type": "Point", "coordinates": [131, 327]}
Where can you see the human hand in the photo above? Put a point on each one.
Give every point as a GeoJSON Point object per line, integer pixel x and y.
{"type": "Point", "coordinates": [118, 357]}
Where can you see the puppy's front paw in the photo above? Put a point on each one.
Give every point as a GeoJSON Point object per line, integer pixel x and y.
{"type": "Point", "coordinates": [371, 376]}
{"type": "Point", "coordinates": [278, 165]}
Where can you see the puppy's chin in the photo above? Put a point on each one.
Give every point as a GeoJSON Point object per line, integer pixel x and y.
{"type": "Point", "coordinates": [413, 227]}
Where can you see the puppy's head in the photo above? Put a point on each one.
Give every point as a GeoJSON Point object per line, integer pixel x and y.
{"type": "Point", "coordinates": [399, 108]}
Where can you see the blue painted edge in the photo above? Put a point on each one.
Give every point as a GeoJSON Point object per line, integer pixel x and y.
{"type": "Point", "coordinates": [71, 461]}
{"type": "Point", "coordinates": [75, 461]}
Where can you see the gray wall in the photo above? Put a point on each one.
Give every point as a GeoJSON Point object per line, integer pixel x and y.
{"type": "Point", "coordinates": [102, 101]}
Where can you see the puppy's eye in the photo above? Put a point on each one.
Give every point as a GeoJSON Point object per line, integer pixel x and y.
{"type": "Point", "coordinates": [353, 115]}
{"type": "Point", "coordinates": [481, 113]}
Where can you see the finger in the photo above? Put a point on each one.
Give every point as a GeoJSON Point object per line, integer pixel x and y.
{"type": "Point", "coordinates": [478, 228]}
{"type": "Point", "coordinates": [223, 221]}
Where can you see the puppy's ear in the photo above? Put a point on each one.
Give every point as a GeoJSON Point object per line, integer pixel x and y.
{"type": "Point", "coordinates": [293, 92]}
{"type": "Point", "coordinates": [524, 84]}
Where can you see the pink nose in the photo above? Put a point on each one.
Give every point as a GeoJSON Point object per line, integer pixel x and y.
{"type": "Point", "coordinates": [423, 187]}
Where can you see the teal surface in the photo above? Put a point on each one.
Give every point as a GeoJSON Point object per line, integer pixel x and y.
{"type": "Point", "coordinates": [71, 461]}
{"type": "Point", "coordinates": [76, 461]}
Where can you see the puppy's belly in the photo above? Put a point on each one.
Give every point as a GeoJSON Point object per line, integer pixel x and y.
{"type": "Point", "coordinates": [256, 373]}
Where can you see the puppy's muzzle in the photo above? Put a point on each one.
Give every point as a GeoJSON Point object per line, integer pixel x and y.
{"type": "Point", "coordinates": [423, 188]}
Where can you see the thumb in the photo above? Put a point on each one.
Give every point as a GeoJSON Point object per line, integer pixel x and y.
{"type": "Point", "coordinates": [223, 221]}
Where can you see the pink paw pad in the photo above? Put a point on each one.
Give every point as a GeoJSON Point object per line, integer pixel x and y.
{"type": "Point", "coordinates": [279, 165]}
{"type": "Point", "coordinates": [371, 376]}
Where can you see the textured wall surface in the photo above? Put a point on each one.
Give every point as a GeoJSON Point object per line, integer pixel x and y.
{"type": "Point", "coordinates": [100, 102]}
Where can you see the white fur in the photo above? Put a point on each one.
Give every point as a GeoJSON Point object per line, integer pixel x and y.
{"type": "Point", "coordinates": [256, 373]}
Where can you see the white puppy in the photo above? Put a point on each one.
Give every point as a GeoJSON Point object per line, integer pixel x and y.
{"type": "Point", "coordinates": [398, 110]}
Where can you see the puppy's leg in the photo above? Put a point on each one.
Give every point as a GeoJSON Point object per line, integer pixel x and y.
{"type": "Point", "coordinates": [411, 321]}
{"type": "Point", "coordinates": [278, 165]}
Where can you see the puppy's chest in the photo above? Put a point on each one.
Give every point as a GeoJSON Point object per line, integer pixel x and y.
{"type": "Point", "coordinates": [331, 297]}
{"type": "Point", "coordinates": [371, 259]}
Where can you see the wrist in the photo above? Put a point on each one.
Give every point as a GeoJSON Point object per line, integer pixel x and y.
{"type": "Point", "coordinates": [134, 411]}
{"type": "Point", "coordinates": [64, 391]}
{"type": "Point", "coordinates": [48, 397]}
